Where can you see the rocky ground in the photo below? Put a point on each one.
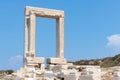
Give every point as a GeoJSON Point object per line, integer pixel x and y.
{"type": "Point", "coordinates": [106, 74]}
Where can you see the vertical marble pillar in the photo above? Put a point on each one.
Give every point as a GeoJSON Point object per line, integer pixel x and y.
{"type": "Point", "coordinates": [32, 34]}
{"type": "Point", "coordinates": [60, 37]}
{"type": "Point", "coordinates": [26, 37]}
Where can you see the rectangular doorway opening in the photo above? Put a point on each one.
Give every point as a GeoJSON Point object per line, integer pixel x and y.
{"type": "Point", "coordinates": [45, 44]}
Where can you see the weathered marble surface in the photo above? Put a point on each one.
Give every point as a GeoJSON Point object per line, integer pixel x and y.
{"type": "Point", "coordinates": [57, 67]}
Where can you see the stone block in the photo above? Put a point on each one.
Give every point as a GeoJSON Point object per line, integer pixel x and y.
{"type": "Point", "coordinates": [42, 66]}
{"type": "Point", "coordinates": [116, 74]}
{"type": "Point", "coordinates": [116, 78]}
{"type": "Point", "coordinates": [58, 68]}
{"type": "Point", "coordinates": [35, 60]}
{"type": "Point", "coordinates": [56, 61]}
{"type": "Point", "coordinates": [49, 75]}
{"type": "Point", "coordinates": [28, 79]}
{"type": "Point", "coordinates": [94, 74]}
{"type": "Point", "coordinates": [86, 77]}
{"type": "Point", "coordinates": [72, 76]}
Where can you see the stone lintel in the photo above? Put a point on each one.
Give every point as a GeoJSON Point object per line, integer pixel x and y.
{"type": "Point", "coordinates": [44, 12]}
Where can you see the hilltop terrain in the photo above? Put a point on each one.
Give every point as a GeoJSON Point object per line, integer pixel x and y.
{"type": "Point", "coordinates": [105, 62]}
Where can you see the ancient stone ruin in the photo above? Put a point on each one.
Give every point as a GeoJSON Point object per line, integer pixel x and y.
{"type": "Point", "coordinates": [57, 67]}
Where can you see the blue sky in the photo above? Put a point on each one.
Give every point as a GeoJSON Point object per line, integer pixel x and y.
{"type": "Point", "coordinates": [92, 29]}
